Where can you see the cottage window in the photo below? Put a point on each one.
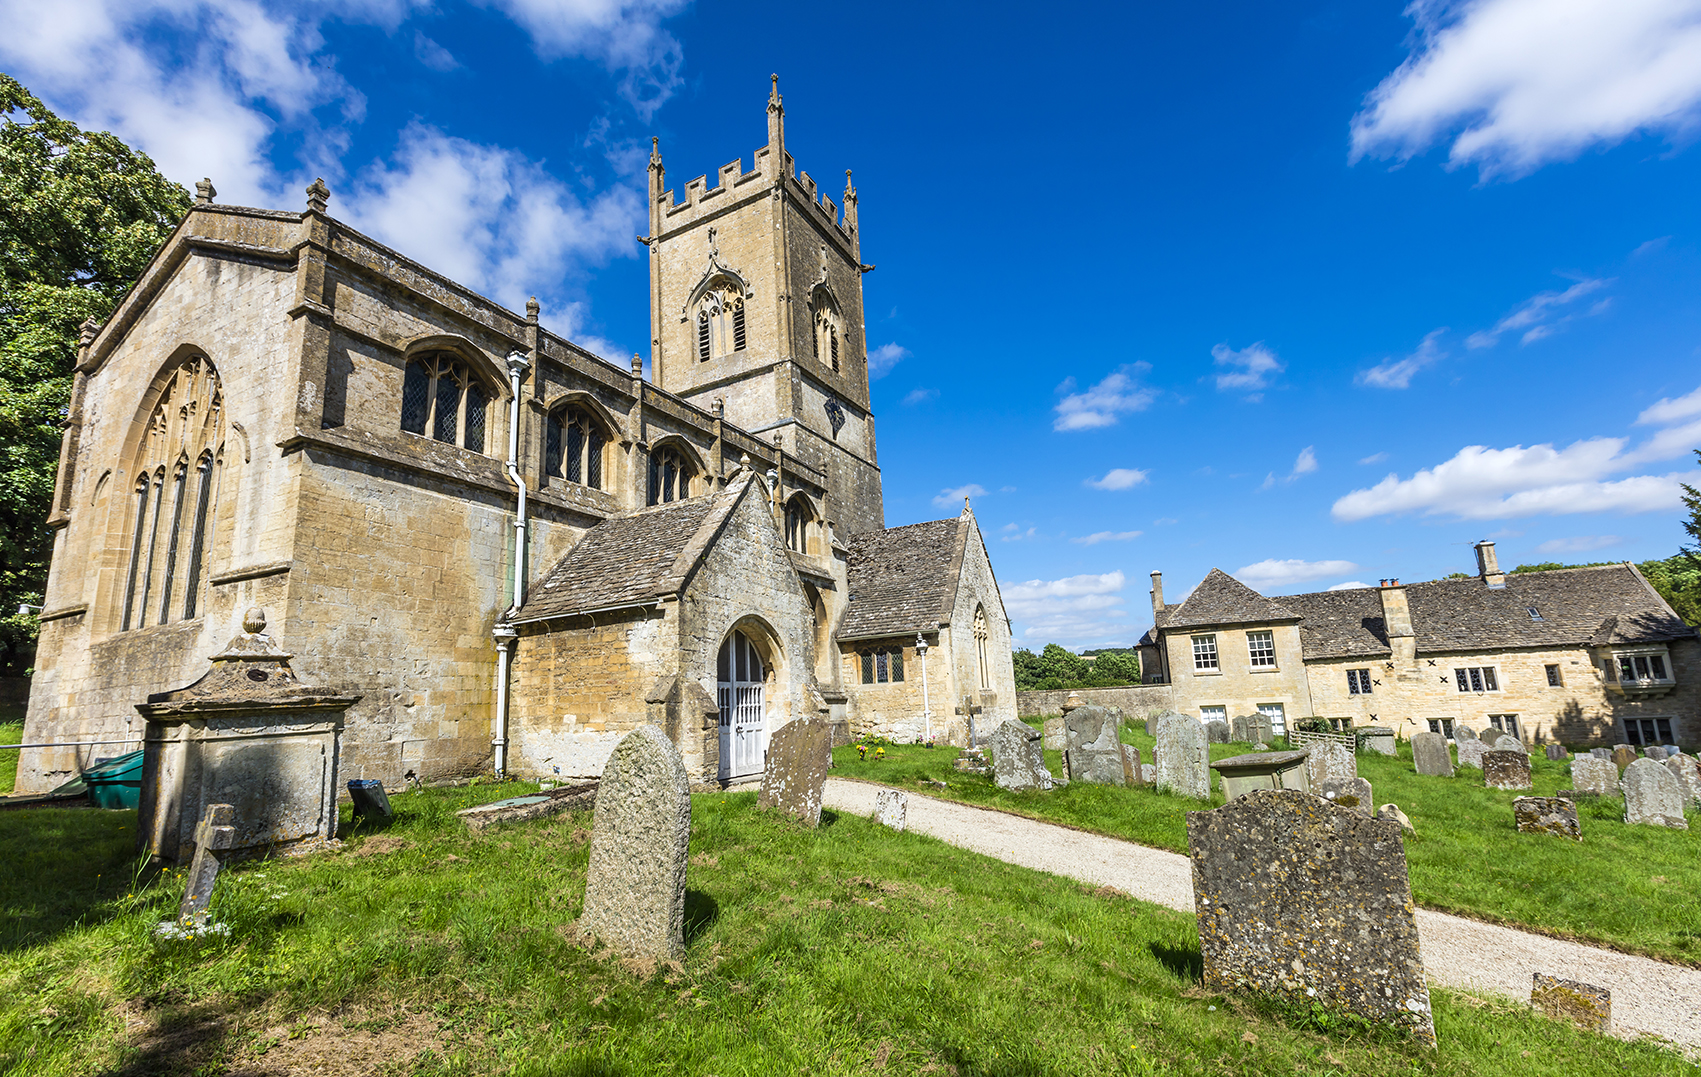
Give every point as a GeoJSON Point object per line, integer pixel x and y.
{"type": "Point", "coordinates": [1642, 731]}
{"type": "Point", "coordinates": [1278, 716]}
{"type": "Point", "coordinates": [1205, 654]}
{"type": "Point", "coordinates": [1553, 678]}
{"type": "Point", "coordinates": [441, 394]}
{"type": "Point", "coordinates": [1443, 726]}
{"type": "Point", "coordinates": [670, 476]}
{"type": "Point", "coordinates": [1649, 668]}
{"type": "Point", "coordinates": [1506, 723]}
{"type": "Point", "coordinates": [1476, 679]}
{"type": "Point", "coordinates": [1358, 682]}
{"type": "Point", "coordinates": [1213, 713]}
{"type": "Point", "coordinates": [883, 666]}
{"type": "Point", "coordinates": [573, 447]}
{"type": "Point", "coordinates": [1261, 649]}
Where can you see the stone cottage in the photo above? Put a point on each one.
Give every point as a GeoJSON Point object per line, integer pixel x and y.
{"type": "Point", "coordinates": [511, 549]}
{"type": "Point", "coordinates": [1586, 656]}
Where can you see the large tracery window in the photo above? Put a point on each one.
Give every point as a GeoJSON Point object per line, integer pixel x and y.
{"type": "Point", "coordinates": [670, 476]}
{"type": "Point", "coordinates": [177, 476]}
{"type": "Point", "coordinates": [440, 394]}
{"type": "Point", "coordinates": [720, 322]}
{"type": "Point", "coordinates": [573, 447]}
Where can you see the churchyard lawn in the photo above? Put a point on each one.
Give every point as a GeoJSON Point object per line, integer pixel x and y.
{"type": "Point", "coordinates": [10, 733]}
{"type": "Point", "coordinates": [1631, 888]}
{"type": "Point", "coordinates": [852, 949]}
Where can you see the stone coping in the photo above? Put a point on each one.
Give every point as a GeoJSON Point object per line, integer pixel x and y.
{"type": "Point", "coordinates": [1260, 762]}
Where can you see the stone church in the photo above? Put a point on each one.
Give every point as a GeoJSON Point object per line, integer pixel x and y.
{"type": "Point", "coordinates": [513, 550]}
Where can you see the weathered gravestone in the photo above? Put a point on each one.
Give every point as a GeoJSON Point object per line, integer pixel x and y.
{"type": "Point", "coordinates": [798, 755]}
{"type": "Point", "coordinates": [1585, 1005]}
{"type": "Point", "coordinates": [1652, 796]}
{"type": "Point", "coordinates": [1430, 755]}
{"type": "Point", "coordinates": [1055, 734]}
{"type": "Point", "coordinates": [1148, 774]}
{"type": "Point", "coordinates": [891, 808]}
{"type": "Point", "coordinates": [1329, 761]}
{"type": "Point", "coordinates": [1557, 753]}
{"type": "Point", "coordinates": [1302, 899]}
{"type": "Point", "coordinates": [1547, 815]}
{"type": "Point", "coordinates": [1094, 754]}
{"type": "Point", "coordinates": [1470, 752]}
{"type": "Point", "coordinates": [1241, 774]}
{"type": "Point", "coordinates": [1505, 770]}
{"type": "Point", "coordinates": [1240, 730]}
{"type": "Point", "coordinates": [1655, 752]}
{"type": "Point", "coordinates": [1463, 733]}
{"type": "Point", "coordinates": [1623, 756]}
{"type": "Point", "coordinates": [1217, 731]}
{"type": "Point", "coordinates": [1131, 773]}
{"type": "Point", "coordinates": [1378, 739]}
{"type": "Point", "coordinates": [1594, 776]}
{"type": "Point", "coordinates": [215, 834]}
{"type": "Point", "coordinates": [1600, 753]}
{"type": "Point", "coordinates": [1508, 743]}
{"type": "Point", "coordinates": [1153, 720]}
{"type": "Point", "coordinates": [1016, 760]}
{"type": "Point", "coordinates": [1182, 757]}
{"type": "Point", "coordinates": [1688, 774]}
{"type": "Point", "coordinates": [635, 886]}
{"type": "Point", "coordinates": [1353, 793]}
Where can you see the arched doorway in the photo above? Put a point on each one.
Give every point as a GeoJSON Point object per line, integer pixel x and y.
{"type": "Point", "coordinates": [742, 677]}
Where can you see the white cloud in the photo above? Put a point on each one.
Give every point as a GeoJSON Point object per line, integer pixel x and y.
{"type": "Point", "coordinates": [1099, 406]}
{"type": "Point", "coordinates": [1516, 84]}
{"type": "Point", "coordinates": [626, 36]}
{"type": "Point", "coordinates": [431, 54]}
{"type": "Point", "coordinates": [1347, 586]}
{"type": "Point", "coordinates": [1398, 373]}
{"type": "Point", "coordinates": [1580, 544]}
{"type": "Point", "coordinates": [919, 396]}
{"type": "Point", "coordinates": [1540, 315]}
{"type": "Point", "coordinates": [1119, 478]}
{"type": "Point", "coordinates": [952, 496]}
{"type": "Point", "coordinates": [1670, 411]}
{"type": "Point", "coordinates": [1018, 535]}
{"type": "Point", "coordinates": [1272, 573]}
{"type": "Point", "coordinates": [882, 359]}
{"type": "Point", "coordinates": [1374, 458]}
{"type": "Point", "coordinates": [1248, 369]}
{"type": "Point", "coordinates": [1305, 463]}
{"type": "Point", "coordinates": [1107, 536]}
{"type": "Point", "coordinates": [1069, 610]}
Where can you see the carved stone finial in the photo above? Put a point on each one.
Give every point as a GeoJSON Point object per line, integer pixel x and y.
{"type": "Point", "coordinates": [205, 192]}
{"type": "Point", "coordinates": [718, 408]}
{"type": "Point", "coordinates": [655, 153]}
{"type": "Point", "coordinates": [90, 329]}
{"type": "Point", "coordinates": [774, 94]}
{"type": "Point", "coordinates": [637, 365]}
{"type": "Point", "coordinates": [532, 309]}
{"type": "Point", "coordinates": [744, 460]}
{"type": "Point", "coordinates": [254, 621]}
{"type": "Point", "coordinates": [318, 196]}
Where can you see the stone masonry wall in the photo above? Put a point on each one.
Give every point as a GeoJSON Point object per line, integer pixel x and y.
{"type": "Point", "coordinates": [894, 710]}
{"type": "Point", "coordinates": [1134, 699]}
{"type": "Point", "coordinates": [1238, 687]}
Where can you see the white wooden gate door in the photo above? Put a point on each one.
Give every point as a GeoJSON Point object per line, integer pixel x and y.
{"type": "Point", "coordinates": [743, 721]}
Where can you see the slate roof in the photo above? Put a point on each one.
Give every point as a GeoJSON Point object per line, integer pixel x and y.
{"type": "Point", "coordinates": [1579, 606]}
{"type": "Point", "coordinates": [1220, 599]}
{"type": "Point", "coordinates": [902, 579]}
{"type": "Point", "coordinates": [627, 559]}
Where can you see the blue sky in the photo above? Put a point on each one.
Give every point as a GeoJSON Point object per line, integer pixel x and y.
{"type": "Point", "coordinates": [1312, 292]}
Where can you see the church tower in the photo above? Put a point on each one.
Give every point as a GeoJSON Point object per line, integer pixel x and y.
{"type": "Point", "coordinates": [756, 300]}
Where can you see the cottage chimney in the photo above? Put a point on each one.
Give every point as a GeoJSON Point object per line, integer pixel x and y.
{"type": "Point", "coordinates": [1397, 621]}
{"type": "Point", "coordinates": [1488, 565]}
{"type": "Point", "coordinates": [1157, 595]}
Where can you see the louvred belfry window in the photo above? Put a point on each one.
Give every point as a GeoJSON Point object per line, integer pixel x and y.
{"type": "Point", "coordinates": [440, 394]}
{"type": "Point", "coordinates": [720, 322]}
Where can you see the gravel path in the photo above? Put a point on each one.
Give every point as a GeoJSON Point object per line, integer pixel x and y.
{"type": "Point", "coordinates": [1647, 996]}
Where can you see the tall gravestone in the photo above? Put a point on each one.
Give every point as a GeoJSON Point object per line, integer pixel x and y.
{"type": "Point", "coordinates": [1094, 754]}
{"type": "Point", "coordinates": [1240, 729]}
{"type": "Point", "coordinates": [1329, 761]}
{"type": "Point", "coordinates": [798, 756]}
{"type": "Point", "coordinates": [1131, 766]}
{"type": "Point", "coordinates": [1470, 752]}
{"type": "Point", "coordinates": [635, 887]}
{"type": "Point", "coordinates": [1302, 899]}
{"type": "Point", "coordinates": [1688, 774]}
{"type": "Point", "coordinates": [1652, 796]}
{"type": "Point", "coordinates": [1592, 775]}
{"type": "Point", "coordinates": [1017, 761]}
{"type": "Point", "coordinates": [1183, 758]}
{"type": "Point", "coordinates": [1430, 755]}
{"type": "Point", "coordinates": [1506, 770]}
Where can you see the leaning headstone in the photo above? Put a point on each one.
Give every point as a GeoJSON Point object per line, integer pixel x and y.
{"type": "Point", "coordinates": [1217, 731]}
{"type": "Point", "coordinates": [1430, 755]}
{"type": "Point", "coordinates": [1594, 776]}
{"type": "Point", "coordinates": [1182, 757]}
{"type": "Point", "coordinates": [1378, 739]}
{"type": "Point", "coordinates": [1557, 753]}
{"type": "Point", "coordinates": [1305, 900]}
{"type": "Point", "coordinates": [1585, 1005]}
{"type": "Point", "coordinates": [1506, 742]}
{"type": "Point", "coordinates": [1094, 754]}
{"type": "Point", "coordinates": [215, 834]}
{"type": "Point", "coordinates": [635, 886]}
{"type": "Point", "coordinates": [1017, 763]}
{"type": "Point", "coordinates": [1600, 753]}
{"type": "Point", "coordinates": [1055, 735]}
{"type": "Point", "coordinates": [891, 806]}
{"type": "Point", "coordinates": [1353, 793]}
{"type": "Point", "coordinates": [798, 756]}
{"type": "Point", "coordinates": [1652, 796]}
{"type": "Point", "coordinates": [1330, 761]}
{"type": "Point", "coordinates": [1393, 814]}
{"type": "Point", "coordinates": [1470, 752]}
{"type": "Point", "coordinates": [1623, 756]}
{"type": "Point", "coordinates": [1547, 815]}
{"type": "Point", "coordinates": [1506, 770]}
{"type": "Point", "coordinates": [1688, 774]}
{"type": "Point", "coordinates": [1655, 752]}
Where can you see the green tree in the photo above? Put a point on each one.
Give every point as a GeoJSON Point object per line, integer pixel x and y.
{"type": "Point", "coordinates": [81, 214]}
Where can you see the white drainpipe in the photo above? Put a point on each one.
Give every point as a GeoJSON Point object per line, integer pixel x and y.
{"type": "Point", "coordinates": [504, 634]}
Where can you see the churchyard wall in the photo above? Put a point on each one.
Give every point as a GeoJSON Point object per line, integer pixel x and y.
{"type": "Point", "coordinates": [1134, 699]}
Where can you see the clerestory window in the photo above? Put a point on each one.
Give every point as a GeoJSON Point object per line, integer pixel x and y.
{"type": "Point", "coordinates": [670, 476]}
{"type": "Point", "coordinates": [443, 400]}
{"type": "Point", "coordinates": [573, 447]}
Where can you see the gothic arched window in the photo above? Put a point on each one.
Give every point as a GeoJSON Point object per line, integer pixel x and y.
{"type": "Point", "coordinates": [720, 323]}
{"type": "Point", "coordinates": [980, 647]}
{"type": "Point", "coordinates": [800, 525]}
{"type": "Point", "coordinates": [824, 316]}
{"type": "Point", "coordinates": [573, 447]}
{"type": "Point", "coordinates": [670, 476]}
{"type": "Point", "coordinates": [440, 394]}
{"type": "Point", "coordinates": [176, 482]}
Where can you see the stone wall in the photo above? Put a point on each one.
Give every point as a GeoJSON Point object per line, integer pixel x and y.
{"type": "Point", "coordinates": [1237, 686]}
{"type": "Point", "coordinates": [894, 710]}
{"type": "Point", "coordinates": [1134, 699]}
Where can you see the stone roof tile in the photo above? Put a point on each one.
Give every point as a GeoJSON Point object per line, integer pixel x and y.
{"type": "Point", "coordinates": [900, 579]}
{"type": "Point", "coordinates": [1220, 599]}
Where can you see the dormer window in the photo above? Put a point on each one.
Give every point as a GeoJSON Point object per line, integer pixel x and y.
{"type": "Point", "coordinates": [442, 399]}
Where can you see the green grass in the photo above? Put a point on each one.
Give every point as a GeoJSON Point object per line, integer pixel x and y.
{"type": "Point", "coordinates": [847, 950]}
{"type": "Point", "coordinates": [1634, 888]}
{"type": "Point", "coordinates": [10, 733]}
